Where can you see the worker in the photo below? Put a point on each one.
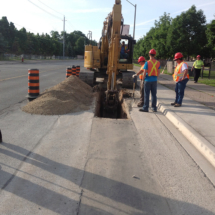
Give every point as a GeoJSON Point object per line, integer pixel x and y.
{"type": "Point", "coordinates": [198, 64]}
{"type": "Point", "coordinates": [141, 61]}
{"type": "Point", "coordinates": [181, 77]}
{"type": "Point", "coordinates": [150, 74]}
{"type": "Point", "coordinates": [123, 51]}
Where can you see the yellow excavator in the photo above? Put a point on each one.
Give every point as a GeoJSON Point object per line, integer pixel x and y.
{"type": "Point", "coordinates": [105, 59]}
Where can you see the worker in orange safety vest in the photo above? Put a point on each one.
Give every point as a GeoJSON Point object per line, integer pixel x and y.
{"type": "Point", "coordinates": [141, 61]}
{"type": "Point", "coordinates": [181, 77]}
{"type": "Point", "coordinates": [150, 74]}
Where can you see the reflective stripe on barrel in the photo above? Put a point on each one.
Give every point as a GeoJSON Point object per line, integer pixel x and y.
{"type": "Point", "coordinates": [73, 70]}
{"type": "Point", "coordinates": [77, 71]}
{"type": "Point", "coordinates": [68, 72]}
{"type": "Point", "coordinates": [33, 83]}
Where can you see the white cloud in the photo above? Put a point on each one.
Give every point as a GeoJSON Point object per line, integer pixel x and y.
{"type": "Point", "coordinates": [144, 23]}
{"type": "Point", "coordinates": [138, 29]}
{"type": "Point", "coordinates": [201, 5]}
{"type": "Point", "coordinates": [151, 20]}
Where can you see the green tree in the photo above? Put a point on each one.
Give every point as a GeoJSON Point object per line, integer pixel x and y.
{"type": "Point", "coordinates": [211, 38]}
{"type": "Point", "coordinates": [187, 33]}
{"type": "Point", "coordinates": [79, 46]}
{"type": "Point", "coordinates": [2, 44]}
{"type": "Point", "coordinates": [20, 41]}
{"type": "Point", "coordinates": [159, 38]}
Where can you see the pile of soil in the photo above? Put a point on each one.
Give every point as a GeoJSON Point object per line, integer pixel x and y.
{"type": "Point", "coordinates": [71, 95]}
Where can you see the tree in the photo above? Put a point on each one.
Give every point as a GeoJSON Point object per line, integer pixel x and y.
{"type": "Point", "coordinates": [211, 38]}
{"type": "Point", "coordinates": [187, 33]}
{"type": "Point", "coordinates": [2, 44]}
{"type": "Point", "coordinates": [79, 46]}
{"type": "Point", "coordinates": [156, 38]}
{"type": "Point", "coordinates": [20, 41]}
{"type": "Point", "coordinates": [159, 38]}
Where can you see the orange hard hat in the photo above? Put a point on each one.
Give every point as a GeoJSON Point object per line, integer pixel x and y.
{"type": "Point", "coordinates": [199, 56]}
{"type": "Point", "coordinates": [178, 56]}
{"type": "Point", "coordinates": [152, 51]}
{"type": "Point", "coordinates": [141, 59]}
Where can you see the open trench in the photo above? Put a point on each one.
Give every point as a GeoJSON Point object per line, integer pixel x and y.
{"type": "Point", "coordinates": [121, 111]}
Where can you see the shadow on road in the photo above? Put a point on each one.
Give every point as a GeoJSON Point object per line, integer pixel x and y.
{"type": "Point", "coordinates": [118, 191]}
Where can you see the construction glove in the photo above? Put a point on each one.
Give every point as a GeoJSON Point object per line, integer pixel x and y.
{"type": "Point", "coordinates": [133, 76]}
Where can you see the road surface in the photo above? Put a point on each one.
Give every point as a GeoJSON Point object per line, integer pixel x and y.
{"type": "Point", "coordinates": [82, 165]}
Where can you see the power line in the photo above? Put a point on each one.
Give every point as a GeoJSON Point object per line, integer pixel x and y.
{"type": "Point", "coordinates": [24, 27]}
{"type": "Point", "coordinates": [73, 27]}
{"type": "Point", "coordinates": [50, 8]}
{"type": "Point", "coordinates": [44, 10]}
{"type": "Point", "coordinates": [58, 13]}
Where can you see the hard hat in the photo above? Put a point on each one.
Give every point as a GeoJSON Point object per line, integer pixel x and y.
{"type": "Point", "coordinates": [141, 59]}
{"type": "Point", "coordinates": [152, 51]}
{"type": "Point", "coordinates": [178, 56]}
{"type": "Point", "coordinates": [199, 56]}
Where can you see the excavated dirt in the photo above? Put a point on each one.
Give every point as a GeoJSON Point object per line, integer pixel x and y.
{"type": "Point", "coordinates": [71, 95]}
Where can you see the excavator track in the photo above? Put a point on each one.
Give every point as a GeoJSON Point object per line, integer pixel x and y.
{"type": "Point", "coordinates": [88, 77]}
{"type": "Point", "coordinates": [127, 80]}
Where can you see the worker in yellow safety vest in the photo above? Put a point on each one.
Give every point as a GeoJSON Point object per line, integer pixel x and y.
{"type": "Point", "coordinates": [141, 61]}
{"type": "Point", "coordinates": [198, 64]}
{"type": "Point", "coordinates": [181, 77]}
{"type": "Point", "coordinates": [150, 74]}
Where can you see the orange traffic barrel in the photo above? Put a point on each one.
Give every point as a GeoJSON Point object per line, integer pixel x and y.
{"type": "Point", "coordinates": [77, 71]}
{"type": "Point", "coordinates": [68, 72]}
{"type": "Point", "coordinates": [73, 70]}
{"type": "Point", "coordinates": [33, 84]}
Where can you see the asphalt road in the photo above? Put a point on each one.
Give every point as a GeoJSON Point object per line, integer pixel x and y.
{"type": "Point", "coordinates": [14, 78]}
{"type": "Point", "coordinates": [82, 165]}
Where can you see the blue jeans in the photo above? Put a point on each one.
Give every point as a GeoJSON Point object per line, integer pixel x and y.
{"type": "Point", "coordinates": [123, 55]}
{"type": "Point", "coordinates": [179, 89]}
{"type": "Point", "coordinates": [150, 86]}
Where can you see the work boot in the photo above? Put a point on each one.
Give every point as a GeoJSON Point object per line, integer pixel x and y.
{"type": "Point", "coordinates": [140, 104]}
{"type": "Point", "coordinates": [177, 105]}
{"type": "Point", "coordinates": [142, 110]}
{"type": "Point", "coordinates": [173, 103]}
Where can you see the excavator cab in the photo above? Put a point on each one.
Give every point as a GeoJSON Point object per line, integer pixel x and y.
{"type": "Point", "coordinates": [129, 44]}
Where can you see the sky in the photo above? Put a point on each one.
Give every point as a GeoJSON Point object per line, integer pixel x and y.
{"type": "Point", "coordinates": [43, 16]}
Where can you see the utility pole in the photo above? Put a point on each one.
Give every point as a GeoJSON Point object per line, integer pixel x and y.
{"type": "Point", "coordinates": [135, 6]}
{"type": "Point", "coordinates": [64, 37]}
{"type": "Point", "coordinates": [134, 20]}
{"type": "Point", "coordinates": [90, 35]}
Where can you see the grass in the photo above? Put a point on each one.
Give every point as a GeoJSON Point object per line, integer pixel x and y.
{"type": "Point", "coordinates": [210, 82]}
{"type": "Point", "coordinates": [205, 80]}
{"type": "Point", "coordinates": [137, 65]}
{"type": "Point", "coordinates": [10, 59]}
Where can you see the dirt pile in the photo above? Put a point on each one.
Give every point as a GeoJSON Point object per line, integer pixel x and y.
{"type": "Point", "coordinates": [71, 95]}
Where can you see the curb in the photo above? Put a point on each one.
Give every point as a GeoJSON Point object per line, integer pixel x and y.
{"type": "Point", "coordinates": [199, 142]}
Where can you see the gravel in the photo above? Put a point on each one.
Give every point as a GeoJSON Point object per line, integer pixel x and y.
{"type": "Point", "coordinates": [71, 95]}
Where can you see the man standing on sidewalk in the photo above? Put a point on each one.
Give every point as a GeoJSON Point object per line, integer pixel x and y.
{"type": "Point", "coordinates": [198, 64]}
{"type": "Point", "coordinates": [181, 77]}
{"type": "Point", "coordinates": [151, 72]}
{"type": "Point", "coordinates": [141, 61]}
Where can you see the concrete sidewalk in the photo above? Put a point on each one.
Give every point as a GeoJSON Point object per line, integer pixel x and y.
{"type": "Point", "coordinates": [201, 93]}
{"type": "Point", "coordinates": [196, 118]}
